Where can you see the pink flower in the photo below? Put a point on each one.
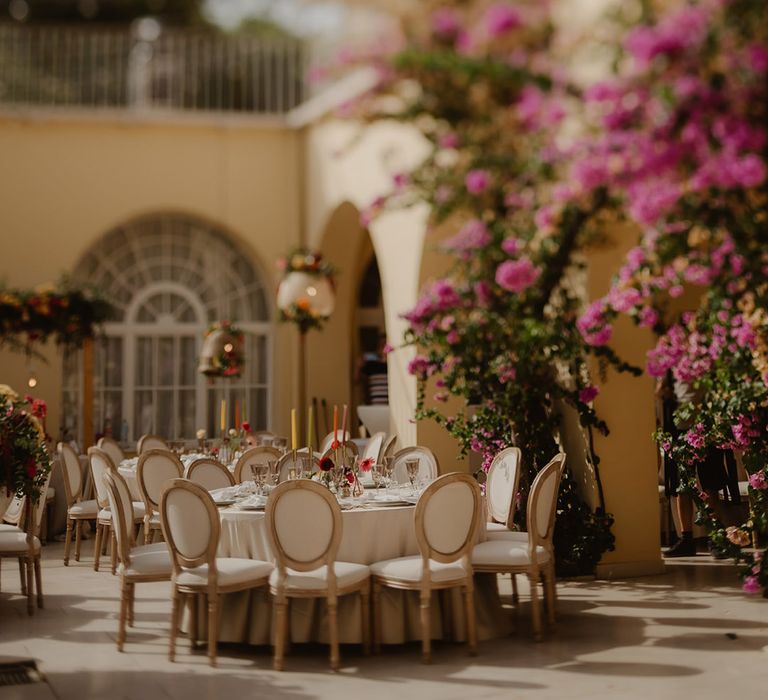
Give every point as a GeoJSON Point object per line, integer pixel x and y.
{"type": "Point", "coordinates": [473, 235]}
{"type": "Point", "coordinates": [448, 140]}
{"type": "Point", "coordinates": [445, 22]}
{"type": "Point", "coordinates": [757, 56]}
{"type": "Point", "coordinates": [517, 275]}
{"type": "Point", "coordinates": [512, 246]}
{"type": "Point", "coordinates": [758, 481]}
{"type": "Point", "coordinates": [588, 393]}
{"type": "Point", "coordinates": [477, 181]}
{"type": "Point", "coordinates": [648, 317]}
{"type": "Point", "coordinates": [501, 18]}
{"type": "Point", "coordinates": [751, 585]}
{"type": "Point", "coordinates": [366, 464]}
{"type": "Point", "coordinates": [387, 349]}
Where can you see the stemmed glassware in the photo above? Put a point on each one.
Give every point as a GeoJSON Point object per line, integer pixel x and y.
{"type": "Point", "coordinates": [261, 472]}
{"type": "Point", "coordinates": [388, 468]}
{"type": "Point", "coordinates": [412, 467]}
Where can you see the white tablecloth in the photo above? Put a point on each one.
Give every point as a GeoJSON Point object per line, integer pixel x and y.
{"type": "Point", "coordinates": [369, 535]}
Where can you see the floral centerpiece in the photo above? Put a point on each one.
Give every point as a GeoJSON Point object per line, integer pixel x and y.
{"type": "Point", "coordinates": [223, 350]}
{"type": "Point", "coordinates": [306, 293]}
{"type": "Point", "coordinates": [24, 458]}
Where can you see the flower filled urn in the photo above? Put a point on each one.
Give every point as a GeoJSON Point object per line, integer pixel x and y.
{"type": "Point", "coordinates": [223, 350]}
{"type": "Point", "coordinates": [306, 295]}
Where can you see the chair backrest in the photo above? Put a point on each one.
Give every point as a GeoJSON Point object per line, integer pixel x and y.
{"type": "Point", "coordinates": [101, 463]}
{"type": "Point", "coordinates": [428, 466]}
{"type": "Point", "coordinates": [150, 442]}
{"type": "Point", "coordinates": [327, 441]}
{"type": "Point", "coordinates": [154, 469]}
{"type": "Point", "coordinates": [14, 513]}
{"type": "Point", "coordinates": [542, 503]}
{"type": "Point", "coordinates": [287, 462]}
{"type": "Point", "coordinates": [41, 503]}
{"type": "Point", "coordinates": [73, 476]}
{"type": "Point", "coordinates": [446, 517]}
{"type": "Point", "coordinates": [501, 486]}
{"type": "Point", "coordinates": [374, 448]}
{"type": "Point", "coordinates": [190, 525]}
{"type": "Point", "coordinates": [112, 448]}
{"type": "Point", "coordinates": [290, 507]}
{"type": "Point", "coordinates": [256, 455]}
{"type": "Point", "coordinates": [121, 506]}
{"type": "Point", "coordinates": [210, 474]}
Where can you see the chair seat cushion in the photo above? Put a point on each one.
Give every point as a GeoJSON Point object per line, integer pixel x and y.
{"type": "Point", "coordinates": [347, 574]}
{"type": "Point", "coordinates": [505, 553]}
{"type": "Point", "coordinates": [508, 536]}
{"type": "Point", "coordinates": [6, 527]}
{"type": "Point", "coordinates": [408, 570]}
{"type": "Point", "coordinates": [496, 527]}
{"type": "Point", "coordinates": [232, 572]}
{"type": "Point", "coordinates": [149, 560]}
{"type": "Point", "coordinates": [17, 542]}
{"type": "Point", "coordinates": [139, 510]}
{"type": "Point", "coordinates": [84, 509]}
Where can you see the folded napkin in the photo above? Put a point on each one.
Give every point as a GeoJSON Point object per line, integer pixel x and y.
{"type": "Point", "coordinates": [228, 493]}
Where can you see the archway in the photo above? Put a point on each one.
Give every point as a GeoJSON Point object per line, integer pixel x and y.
{"type": "Point", "coordinates": [170, 276]}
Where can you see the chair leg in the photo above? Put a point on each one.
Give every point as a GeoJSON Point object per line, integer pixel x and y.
{"type": "Point", "coordinates": [131, 601]}
{"type": "Point", "coordinates": [78, 538]}
{"type": "Point", "coordinates": [113, 550]}
{"type": "Point", "coordinates": [281, 628]}
{"type": "Point", "coordinates": [426, 627]}
{"type": "Point", "coordinates": [30, 589]}
{"type": "Point", "coordinates": [147, 532]}
{"type": "Point", "coordinates": [550, 593]}
{"type": "Point", "coordinates": [333, 630]}
{"type": "Point", "coordinates": [68, 540]}
{"type": "Point", "coordinates": [515, 594]}
{"type": "Point", "coordinates": [469, 613]}
{"type": "Point", "coordinates": [213, 626]}
{"type": "Point", "coordinates": [365, 614]}
{"type": "Point", "coordinates": [124, 596]}
{"type": "Point", "coordinates": [377, 617]}
{"type": "Point", "coordinates": [39, 582]}
{"type": "Point", "coordinates": [97, 546]}
{"type": "Point", "coordinates": [533, 577]}
{"type": "Point", "coordinates": [193, 626]}
{"type": "Point", "coordinates": [174, 624]}
{"type": "Point", "coordinates": [22, 576]}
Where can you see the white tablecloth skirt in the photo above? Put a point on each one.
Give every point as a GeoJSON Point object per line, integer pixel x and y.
{"type": "Point", "coordinates": [369, 536]}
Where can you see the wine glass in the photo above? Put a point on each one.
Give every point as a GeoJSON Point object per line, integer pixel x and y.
{"type": "Point", "coordinates": [388, 468]}
{"type": "Point", "coordinates": [306, 467]}
{"type": "Point", "coordinates": [412, 467]}
{"type": "Point", "coordinates": [377, 476]}
{"type": "Point", "coordinates": [261, 472]}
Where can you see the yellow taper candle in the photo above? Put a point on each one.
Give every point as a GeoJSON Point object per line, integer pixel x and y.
{"type": "Point", "coordinates": [223, 415]}
{"type": "Point", "coordinates": [294, 441]}
{"type": "Point", "coordinates": [310, 418]}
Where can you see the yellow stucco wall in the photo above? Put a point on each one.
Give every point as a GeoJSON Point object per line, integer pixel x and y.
{"type": "Point", "coordinates": [64, 182]}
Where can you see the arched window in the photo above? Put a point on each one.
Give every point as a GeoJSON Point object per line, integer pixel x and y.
{"type": "Point", "coordinates": [170, 277]}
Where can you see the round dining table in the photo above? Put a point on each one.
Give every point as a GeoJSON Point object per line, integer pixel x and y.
{"type": "Point", "coordinates": [371, 532]}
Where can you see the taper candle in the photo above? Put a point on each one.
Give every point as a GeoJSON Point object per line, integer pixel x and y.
{"type": "Point", "coordinates": [237, 414]}
{"type": "Point", "coordinates": [310, 419]}
{"type": "Point", "coordinates": [335, 423]}
{"type": "Point", "coordinates": [223, 415]}
{"type": "Point", "coordinates": [344, 425]}
{"type": "Point", "coordinates": [294, 442]}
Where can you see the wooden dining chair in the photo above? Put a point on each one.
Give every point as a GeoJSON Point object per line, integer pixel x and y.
{"type": "Point", "coordinates": [142, 564]}
{"type": "Point", "coordinates": [501, 490]}
{"type": "Point", "coordinates": [191, 528]}
{"type": "Point", "coordinates": [13, 521]}
{"type": "Point", "coordinates": [150, 442]}
{"type": "Point", "coordinates": [446, 521]}
{"type": "Point", "coordinates": [374, 448]}
{"type": "Point", "coordinates": [112, 448]}
{"type": "Point", "coordinates": [261, 456]}
{"type": "Point", "coordinates": [306, 560]}
{"type": "Point", "coordinates": [429, 467]}
{"type": "Point", "coordinates": [78, 507]}
{"type": "Point", "coordinates": [210, 474]}
{"type": "Point", "coordinates": [155, 468]}
{"type": "Point", "coordinates": [535, 555]}
{"type": "Point", "coordinates": [23, 544]}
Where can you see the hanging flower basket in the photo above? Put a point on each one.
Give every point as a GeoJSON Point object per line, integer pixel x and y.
{"type": "Point", "coordinates": [306, 295]}
{"type": "Point", "coordinates": [223, 351]}
{"type": "Point", "coordinates": [24, 459]}
{"type": "Point", "coordinates": [68, 315]}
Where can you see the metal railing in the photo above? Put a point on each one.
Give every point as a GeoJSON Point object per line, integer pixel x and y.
{"type": "Point", "coordinates": [177, 70]}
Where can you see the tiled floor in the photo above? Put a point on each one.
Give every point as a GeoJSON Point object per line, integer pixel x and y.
{"type": "Point", "coordinates": [688, 632]}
